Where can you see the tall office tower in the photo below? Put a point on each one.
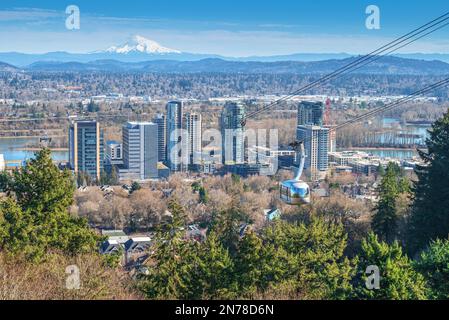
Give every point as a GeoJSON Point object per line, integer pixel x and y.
{"type": "Point", "coordinates": [332, 138]}
{"type": "Point", "coordinates": [177, 153]}
{"type": "Point", "coordinates": [161, 134]}
{"type": "Point", "coordinates": [310, 113]}
{"type": "Point", "coordinates": [232, 133]}
{"type": "Point", "coordinates": [193, 125]}
{"type": "Point", "coordinates": [140, 149]}
{"type": "Point", "coordinates": [316, 144]}
{"type": "Point", "coordinates": [86, 152]}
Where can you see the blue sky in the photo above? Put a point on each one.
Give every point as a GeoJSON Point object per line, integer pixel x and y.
{"type": "Point", "coordinates": [232, 28]}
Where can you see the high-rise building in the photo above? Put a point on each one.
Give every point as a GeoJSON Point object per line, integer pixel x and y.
{"type": "Point", "coordinates": [193, 125]}
{"type": "Point", "coordinates": [332, 138]}
{"type": "Point", "coordinates": [114, 153]}
{"type": "Point", "coordinates": [316, 144]}
{"type": "Point", "coordinates": [310, 113]}
{"type": "Point", "coordinates": [86, 149]}
{"type": "Point", "coordinates": [232, 132]}
{"type": "Point", "coordinates": [177, 155]}
{"type": "Point", "coordinates": [161, 136]}
{"type": "Point", "coordinates": [140, 150]}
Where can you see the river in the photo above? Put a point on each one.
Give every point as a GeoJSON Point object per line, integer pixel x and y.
{"type": "Point", "coordinates": [11, 149]}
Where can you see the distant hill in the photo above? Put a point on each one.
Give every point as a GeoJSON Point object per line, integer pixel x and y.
{"type": "Point", "coordinates": [5, 67]}
{"type": "Point", "coordinates": [385, 65]}
{"type": "Point", "coordinates": [140, 49]}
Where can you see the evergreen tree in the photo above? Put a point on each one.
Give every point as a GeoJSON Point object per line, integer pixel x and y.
{"type": "Point", "coordinates": [214, 274]}
{"type": "Point", "coordinates": [385, 220]}
{"type": "Point", "coordinates": [203, 195]}
{"type": "Point", "coordinates": [398, 279]}
{"type": "Point", "coordinates": [307, 259]}
{"type": "Point", "coordinates": [173, 260]}
{"type": "Point", "coordinates": [34, 218]}
{"type": "Point", "coordinates": [249, 264]}
{"type": "Point", "coordinates": [41, 187]}
{"type": "Point", "coordinates": [430, 214]}
{"type": "Point", "coordinates": [433, 264]}
{"type": "Point", "coordinates": [227, 225]}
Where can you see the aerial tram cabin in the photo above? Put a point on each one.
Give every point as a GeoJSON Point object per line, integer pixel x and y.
{"type": "Point", "coordinates": [296, 191]}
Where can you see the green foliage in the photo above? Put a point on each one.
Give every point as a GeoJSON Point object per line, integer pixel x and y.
{"type": "Point", "coordinates": [34, 218]}
{"type": "Point", "coordinates": [5, 179]}
{"type": "Point", "coordinates": [430, 215]}
{"type": "Point", "coordinates": [398, 279]}
{"type": "Point", "coordinates": [235, 178]}
{"type": "Point", "coordinates": [433, 264]}
{"type": "Point", "coordinates": [300, 260]}
{"type": "Point", "coordinates": [84, 179]}
{"type": "Point", "coordinates": [227, 225]}
{"type": "Point", "coordinates": [170, 275]}
{"type": "Point", "coordinates": [250, 260]}
{"type": "Point", "coordinates": [196, 186]}
{"type": "Point", "coordinates": [135, 186]}
{"type": "Point", "coordinates": [109, 178]}
{"type": "Point", "coordinates": [308, 258]}
{"type": "Point", "coordinates": [40, 186]}
{"type": "Point", "coordinates": [213, 276]}
{"type": "Point", "coordinates": [385, 220]}
{"type": "Point", "coordinates": [203, 195]}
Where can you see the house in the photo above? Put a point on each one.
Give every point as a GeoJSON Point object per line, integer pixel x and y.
{"type": "Point", "coordinates": [111, 247]}
{"type": "Point", "coordinates": [114, 243]}
{"type": "Point", "coordinates": [271, 214]}
{"type": "Point", "coordinates": [194, 232]}
{"type": "Point", "coordinates": [136, 248]}
{"type": "Point", "coordinates": [117, 235]}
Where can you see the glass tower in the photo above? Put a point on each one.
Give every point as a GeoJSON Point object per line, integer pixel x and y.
{"type": "Point", "coordinates": [86, 146]}
{"type": "Point", "coordinates": [232, 132]}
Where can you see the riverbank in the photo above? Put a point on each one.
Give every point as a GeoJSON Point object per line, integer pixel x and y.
{"type": "Point", "coordinates": [380, 148]}
{"type": "Point", "coordinates": [35, 149]}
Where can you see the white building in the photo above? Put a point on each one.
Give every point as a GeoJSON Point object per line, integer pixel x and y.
{"type": "Point", "coordinates": [316, 144]}
{"type": "Point", "coordinates": [114, 152]}
{"type": "Point", "coordinates": [193, 125]}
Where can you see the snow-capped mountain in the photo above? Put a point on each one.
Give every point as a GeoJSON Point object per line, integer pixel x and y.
{"type": "Point", "coordinates": [140, 44]}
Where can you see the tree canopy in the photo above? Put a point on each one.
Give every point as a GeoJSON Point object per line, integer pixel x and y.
{"type": "Point", "coordinates": [430, 214]}
{"type": "Point", "coordinates": [34, 218]}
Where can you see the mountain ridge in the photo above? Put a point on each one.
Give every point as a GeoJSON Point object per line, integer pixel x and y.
{"type": "Point", "coordinates": [141, 49]}
{"type": "Point", "coordinates": [385, 65]}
